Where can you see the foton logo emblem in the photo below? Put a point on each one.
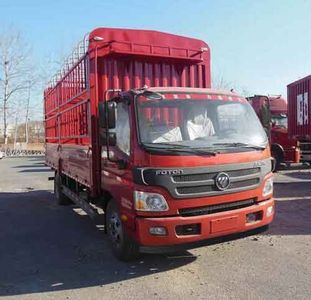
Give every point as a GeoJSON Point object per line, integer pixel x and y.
{"type": "Point", "coordinates": [222, 181]}
{"type": "Point", "coordinates": [169, 172]}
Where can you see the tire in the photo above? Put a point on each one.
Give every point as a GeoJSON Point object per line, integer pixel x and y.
{"type": "Point", "coordinates": [277, 155]}
{"type": "Point", "coordinates": [61, 198]}
{"type": "Point", "coordinates": [122, 246]}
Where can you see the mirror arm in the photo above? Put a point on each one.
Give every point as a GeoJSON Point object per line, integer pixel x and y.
{"type": "Point", "coordinates": [110, 91]}
{"type": "Point", "coordinates": [106, 113]}
{"type": "Point", "coordinates": [122, 164]}
{"type": "Point", "coordinates": [107, 134]}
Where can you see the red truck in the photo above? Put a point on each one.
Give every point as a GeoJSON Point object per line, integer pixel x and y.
{"type": "Point", "coordinates": [299, 123]}
{"type": "Point", "coordinates": [272, 112]}
{"type": "Point", "coordinates": [132, 126]}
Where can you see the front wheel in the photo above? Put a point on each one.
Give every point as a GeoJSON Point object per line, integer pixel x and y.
{"type": "Point", "coordinates": [278, 157]}
{"type": "Point", "coordinates": [123, 247]}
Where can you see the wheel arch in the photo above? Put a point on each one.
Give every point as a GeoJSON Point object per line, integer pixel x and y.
{"type": "Point", "coordinates": [279, 150]}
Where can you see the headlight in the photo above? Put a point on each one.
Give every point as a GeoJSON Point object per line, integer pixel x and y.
{"type": "Point", "coordinates": [268, 187]}
{"type": "Point", "coordinates": [149, 201]}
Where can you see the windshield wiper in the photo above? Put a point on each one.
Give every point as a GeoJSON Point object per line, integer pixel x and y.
{"type": "Point", "coordinates": [242, 145]}
{"type": "Point", "coordinates": [180, 148]}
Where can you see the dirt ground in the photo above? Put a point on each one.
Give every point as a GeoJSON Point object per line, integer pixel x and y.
{"type": "Point", "coordinates": [52, 252]}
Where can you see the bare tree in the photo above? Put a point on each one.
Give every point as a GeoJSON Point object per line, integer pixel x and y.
{"type": "Point", "coordinates": [15, 71]}
{"type": "Point", "coordinates": [220, 83]}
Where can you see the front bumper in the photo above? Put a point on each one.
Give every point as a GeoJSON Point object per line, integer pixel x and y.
{"type": "Point", "coordinates": [211, 226]}
{"type": "Point", "coordinates": [292, 155]}
{"type": "Point", "coordinates": [305, 156]}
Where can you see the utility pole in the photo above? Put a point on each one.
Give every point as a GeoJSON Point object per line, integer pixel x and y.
{"type": "Point", "coordinates": [16, 128]}
{"type": "Point", "coordinates": [5, 100]}
{"type": "Point", "coordinates": [27, 113]}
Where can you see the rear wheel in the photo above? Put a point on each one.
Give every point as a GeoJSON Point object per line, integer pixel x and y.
{"type": "Point", "coordinates": [61, 198]}
{"type": "Point", "coordinates": [122, 245]}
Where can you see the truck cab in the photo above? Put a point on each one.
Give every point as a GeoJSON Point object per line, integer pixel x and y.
{"type": "Point", "coordinates": [183, 165]}
{"type": "Point", "coordinates": [272, 112]}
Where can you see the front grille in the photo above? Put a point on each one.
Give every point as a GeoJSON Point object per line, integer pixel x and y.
{"type": "Point", "coordinates": [193, 177]}
{"type": "Point", "coordinates": [212, 188]}
{"type": "Point", "coordinates": [195, 189]}
{"type": "Point", "coordinates": [211, 209]}
{"type": "Point", "coordinates": [195, 182]}
{"type": "Point", "coordinates": [204, 183]}
{"type": "Point", "coordinates": [208, 176]}
{"type": "Point", "coordinates": [305, 146]}
{"type": "Point", "coordinates": [244, 183]}
{"type": "Point", "coordinates": [244, 172]}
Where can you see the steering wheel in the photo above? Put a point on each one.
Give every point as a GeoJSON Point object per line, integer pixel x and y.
{"type": "Point", "coordinates": [200, 138]}
{"type": "Point", "coordinates": [228, 131]}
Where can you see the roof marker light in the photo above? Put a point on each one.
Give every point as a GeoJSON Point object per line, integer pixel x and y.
{"type": "Point", "coordinates": [98, 38]}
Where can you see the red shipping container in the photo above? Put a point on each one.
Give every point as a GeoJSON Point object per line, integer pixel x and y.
{"type": "Point", "coordinates": [299, 98]}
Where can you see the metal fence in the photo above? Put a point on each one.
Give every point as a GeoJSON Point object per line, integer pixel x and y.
{"type": "Point", "coordinates": [19, 153]}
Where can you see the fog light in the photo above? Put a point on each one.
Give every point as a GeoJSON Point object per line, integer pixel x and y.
{"type": "Point", "coordinates": [253, 217]}
{"type": "Point", "coordinates": [188, 229]}
{"type": "Point", "coordinates": [158, 231]}
{"type": "Point", "coordinates": [270, 211]}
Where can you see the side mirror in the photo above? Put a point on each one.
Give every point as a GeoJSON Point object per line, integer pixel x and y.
{"type": "Point", "coordinates": [107, 114]}
{"type": "Point", "coordinates": [111, 136]}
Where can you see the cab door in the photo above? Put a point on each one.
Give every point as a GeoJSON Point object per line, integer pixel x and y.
{"type": "Point", "coordinates": [116, 162]}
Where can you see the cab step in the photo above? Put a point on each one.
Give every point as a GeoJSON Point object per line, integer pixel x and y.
{"type": "Point", "coordinates": [89, 209]}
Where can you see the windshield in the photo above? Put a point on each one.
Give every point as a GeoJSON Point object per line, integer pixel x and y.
{"type": "Point", "coordinates": [279, 120]}
{"type": "Point", "coordinates": [193, 123]}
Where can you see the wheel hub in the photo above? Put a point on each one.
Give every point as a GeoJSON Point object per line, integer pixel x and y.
{"type": "Point", "coordinates": [115, 228]}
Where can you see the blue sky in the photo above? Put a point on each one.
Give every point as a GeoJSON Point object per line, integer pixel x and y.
{"type": "Point", "coordinates": [259, 46]}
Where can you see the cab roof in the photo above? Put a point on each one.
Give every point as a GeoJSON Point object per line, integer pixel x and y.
{"type": "Point", "coordinates": [186, 90]}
